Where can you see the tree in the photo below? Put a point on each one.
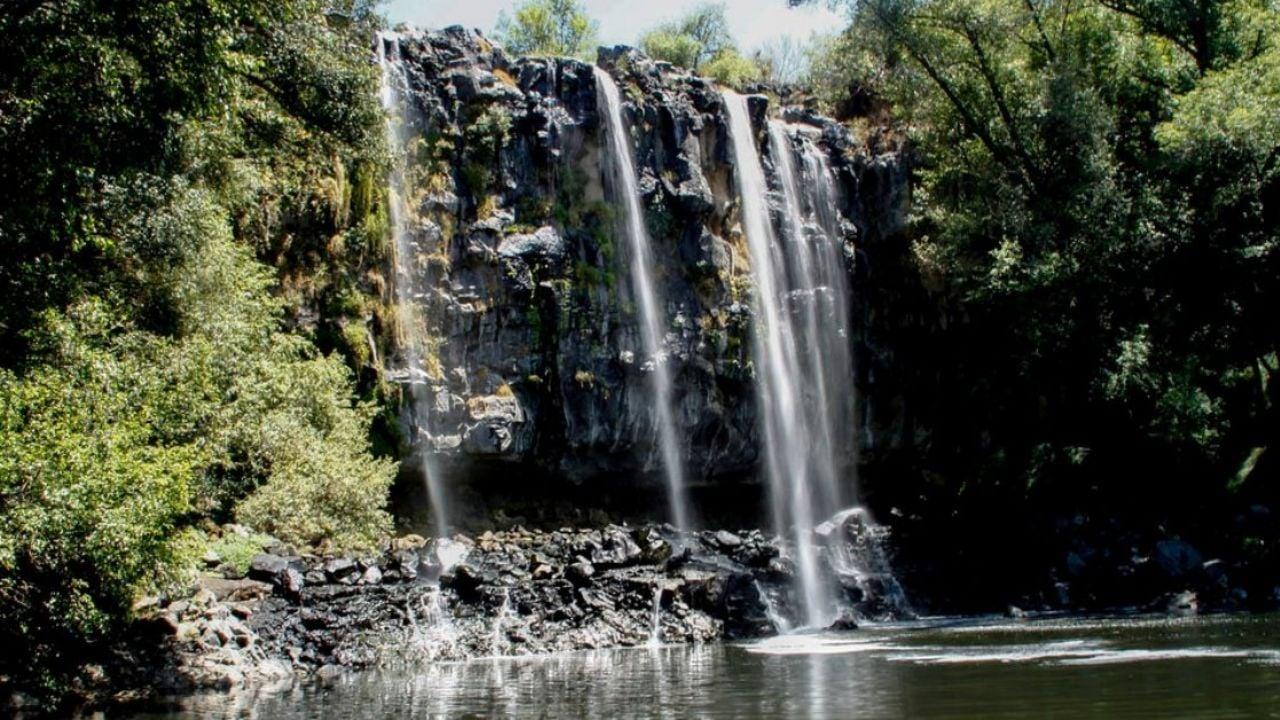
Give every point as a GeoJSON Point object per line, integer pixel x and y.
{"type": "Point", "coordinates": [1096, 199]}
{"type": "Point", "coordinates": [732, 69]}
{"type": "Point", "coordinates": [90, 499]}
{"type": "Point", "coordinates": [119, 438]}
{"type": "Point", "coordinates": [671, 46]}
{"type": "Point", "coordinates": [548, 27]}
{"type": "Point", "coordinates": [86, 99]}
{"type": "Point", "coordinates": [785, 59]}
{"type": "Point", "coordinates": [170, 162]}
{"type": "Point", "coordinates": [698, 37]}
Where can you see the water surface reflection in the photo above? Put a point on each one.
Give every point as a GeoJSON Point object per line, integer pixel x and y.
{"type": "Point", "coordinates": [1226, 667]}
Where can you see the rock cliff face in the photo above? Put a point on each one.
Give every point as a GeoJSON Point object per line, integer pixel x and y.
{"type": "Point", "coordinates": [535, 360]}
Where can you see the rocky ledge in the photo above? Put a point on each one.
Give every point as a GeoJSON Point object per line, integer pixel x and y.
{"type": "Point", "coordinates": [516, 592]}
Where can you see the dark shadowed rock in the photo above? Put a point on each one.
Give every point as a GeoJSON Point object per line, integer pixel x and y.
{"type": "Point", "coordinates": [1177, 558]}
{"type": "Point", "coordinates": [580, 572]}
{"type": "Point", "coordinates": [844, 623]}
{"type": "Point", "coordinates": [277, 569]}
{"type": "Point", "coordinates": [341, 570]}
{"type": "Point", "coordinates": [616, 549]}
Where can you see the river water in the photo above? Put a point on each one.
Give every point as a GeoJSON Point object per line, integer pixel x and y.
{"type": "Point", "coordinates": [1212, 667]}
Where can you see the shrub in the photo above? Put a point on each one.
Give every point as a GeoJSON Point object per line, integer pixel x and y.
{"type": "Point", "coordinates": [90, 496]}
{"type": "Point", "coordinates": [295, 427]}
{"type": "Point", "coordinates": [732, 69]}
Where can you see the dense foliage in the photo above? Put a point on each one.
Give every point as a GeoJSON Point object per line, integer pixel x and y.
{"type": "Point", "coordinates": [549, 27]}
{"type": "Point", "coordinates": [193, 230]}
{"type": "Point", "coordinates": [701, 42]}
{"type": "Point", "coordinates": [191, 227]}
{"type": "Point", "coordinates": [1096, 216]}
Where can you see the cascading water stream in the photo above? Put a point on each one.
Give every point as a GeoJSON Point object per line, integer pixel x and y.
{"type": "Point", "coordinates": [655, 629]}
{"type": "Point", "coordinates": [776, 619]}
{"type": "Point", "coordinates": [785, 414]}
{"type": "Point", "coordinates": [833, 283]}
{"type": "Point", "coordinates": [497, 639]}
{"type": "Point", "coordinates": [805, 365]}
{"type": "Point", "coordinates": [411, 328]}
{"type": "Point", "coordinates": [652, 321]}
{"type": "Point", "coordinates": [824, 342]}
{"type": "Point", "coordinates": [432, 632]}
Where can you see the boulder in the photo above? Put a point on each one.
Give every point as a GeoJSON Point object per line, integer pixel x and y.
{"type": "Point", "coordinates": [341, 570]}
{"type": "Point", "coordinates": [292, 582]}
{"type": "Point", "coordinates": [580, 572]}
{"type": "Point", "coordinates": [545, 245]}
{"type": "Point", "coordinates": [405, 563]}
{"type": "Point", "coordinates": [1182, 603]}
{"type": "Point", "coordinates": [1216, 572]}
{"type": "Point", "coordinates": [727, 540]}
{"type": "Point", "coordinates": [1177, 558]}
{"type": "Point", "coordinates": [268, 567]}
{"type": "Point", "coordinates": [616, 549]}
{"type": "Point", "coordinates": [222, 589]}
{"type": "Point", "coordinates": [466, 580]}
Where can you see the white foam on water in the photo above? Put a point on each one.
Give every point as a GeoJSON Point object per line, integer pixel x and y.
{"type": "Point", "coordinates": [949, 655]}
{"type": "Point", "coordinates": [450, 553]}
{"type": "Point", "coordinates": [1191, 653]}
{"type": "Point", "coordinates": [818, 644]}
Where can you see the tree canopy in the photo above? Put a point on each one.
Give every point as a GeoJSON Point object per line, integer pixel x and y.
{"type": "Point", "coordinates": [548, 27]}
{"type": "Point", "coordinates": [1096, 208]}
{"type": "Point", "coordinates": [694, 39]}
{"type": "Point", "coordinates": [700, 41]}
{"type": "Point", "coordinates": [182, 178]}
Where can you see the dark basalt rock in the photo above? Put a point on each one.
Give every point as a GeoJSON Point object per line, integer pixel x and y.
{"type": "Point", "coordinates": [727, 540]}
{"type": "Point", "coordinates": [283, 572]}
{"type": "Point", "coordinates": [467, 580]}
{"type": "Point", "coordinates": [514, 592]}
{"type": "Point", "coordinates": [528, 290]}
{"type": "Point", "coordinates": [341, 570]}
{"type": "Point", "coordinates": [562, 590]}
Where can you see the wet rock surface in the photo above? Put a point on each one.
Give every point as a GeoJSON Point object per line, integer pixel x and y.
{"type": "Point", "coordinates": [538, 360]}
{"type": "Point", "coordinates": [517, 592]}
{"type": "Point", "coordinates": [522, 592]}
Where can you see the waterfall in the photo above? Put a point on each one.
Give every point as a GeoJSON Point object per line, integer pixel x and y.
{"type": "Point", "coordinates": [432, 632]}
{"type": "Point", "coordinates": [496, 639]}
{"type": "Point", "coordinates": [652, 321]}
{"type": "Point", "coordinates": [786, 416]}
{"type": "Point", "coordinates": [811, 258]}
{"type": "Point", "coordinates": [833, 292]}
{"type": "Point", "coordinates": [804, 367]}
{"type": "Point", "coordinates": [411, 330]}
{"type": "Point", "coordinates": [655, 630]}
{"type": "Point", "coordinates": [776, 619]}
{"type": "Point", "coordinates": [856, 546]}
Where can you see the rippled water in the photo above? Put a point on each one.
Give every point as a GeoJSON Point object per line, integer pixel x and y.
{"type": "Point", "coordinates": [1217, 667]}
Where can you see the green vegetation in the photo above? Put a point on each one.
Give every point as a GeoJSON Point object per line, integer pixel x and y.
{"type": "Point", "coordinates": [692, 40]}
{"type": "Point", "coordinates": [1096, 207]}
{"type": "Point", "coordinates": [700, 41]}
{"type": "Point", "coordinates": [194, 228]}
{"type": "Point", "coordinates": [236, 550]}
{"type": "Point", "coordinates": [548, 27]}
{"type": "Point", "coordinates": [732, 69]}
{"type": "Point", "coordinates": [174, 199]}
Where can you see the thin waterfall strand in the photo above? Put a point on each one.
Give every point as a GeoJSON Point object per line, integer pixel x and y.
{"type": "Point", "coordinates": [833, 277]}
{"type": "Point", "coordinates": [411, 328]}
{"type": "Point", "coordinates": [655, 628]}
{"type": "Point", "coordinates": [652, 317]}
